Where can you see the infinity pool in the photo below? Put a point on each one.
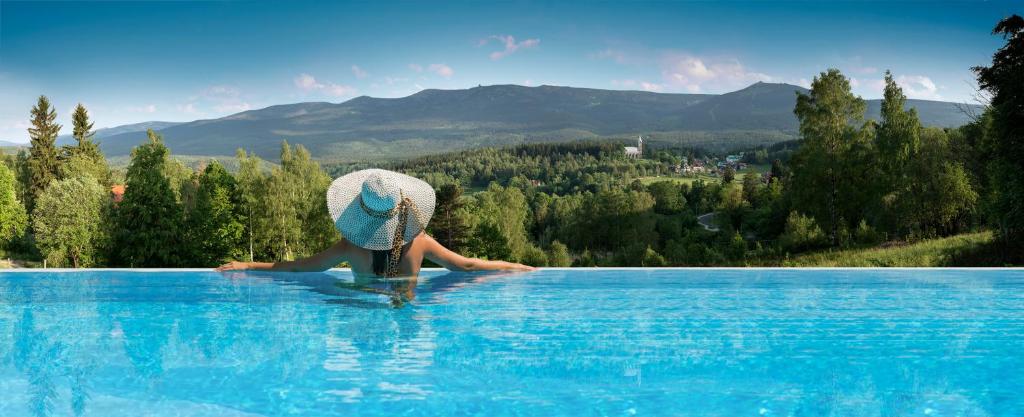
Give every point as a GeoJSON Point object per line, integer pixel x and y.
{"type": "Point", "coordinates": [548, 343]}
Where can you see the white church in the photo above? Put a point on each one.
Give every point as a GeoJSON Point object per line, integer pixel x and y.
{"type": "Point", "coordinates": [636, 151]}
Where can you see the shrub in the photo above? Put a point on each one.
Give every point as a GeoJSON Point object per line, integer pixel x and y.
{"type": "Point", "coordinates": [801, 233]}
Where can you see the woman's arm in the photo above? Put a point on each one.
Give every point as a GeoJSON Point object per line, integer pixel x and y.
{"type": "Point", "coordinates": [455, 262]}
{"type": "Point", "coordinates": [322, 261]}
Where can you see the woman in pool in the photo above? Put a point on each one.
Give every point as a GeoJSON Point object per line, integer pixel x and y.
{"type": "Point", "coordinates": [381, 216]}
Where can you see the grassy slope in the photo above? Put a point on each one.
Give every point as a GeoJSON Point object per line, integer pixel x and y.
{"type": "Point", "coordinates": [959, 250]}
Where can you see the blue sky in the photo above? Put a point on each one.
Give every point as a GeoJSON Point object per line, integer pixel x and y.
{"type": "Point", "coordinates": [178, 61]}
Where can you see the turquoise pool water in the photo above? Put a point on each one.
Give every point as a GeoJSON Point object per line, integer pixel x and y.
{"type": "Point", "coordinates": [548, 343]}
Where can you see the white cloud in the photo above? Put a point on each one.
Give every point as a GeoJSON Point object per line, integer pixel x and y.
{"type": "Point", "coordinates": [232, 107]}
{"type": "Point", "coordinates": [442, 70]}
{"type": "Point", "coordinates": [308, 83]}
{"type": "Point", "coordinates": [416, 67]}
{"type": "Point", "coordinates": [511, 46]}
{"type": "Point", "coordinates": [189, 108]}
{"type": "Point", "coordinates": [616, 55]}
{"type": "Point", "coordinates": [638, 85]}
{"type": "Point", "coordinates": [687, 72]}
{"type": "Point", "coordinates": [359, 72]}
{"type": "Point", "coordinates": [220, 91]}
{"type": "Point", "coordinates": [919, 86]}
{"type": "Point", "coordinates": [149, 108]}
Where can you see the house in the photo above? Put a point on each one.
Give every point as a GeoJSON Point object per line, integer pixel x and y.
{"type": "Point", "coordinates": [635, 152]}
{"type": "Point", "coordinates": [117, 193]}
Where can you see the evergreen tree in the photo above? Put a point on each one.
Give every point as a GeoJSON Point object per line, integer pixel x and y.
{"type": "Point", "coordinates": [149, 219]}
{"type": "Point", "coordinates": [67, 221]}
{"type": "Point", "coordinates": [448, 225]}
{"type": "Point", "coordinates": [43, 165]}
{"type": "Point", "coordinates": [825, 167]}
{"type": "Point", "coordinates": [13, 218]}
{"type": "Point", "coordinates": [1004, 79]}
{"type": "Point", "coordinates": [83, 133]}
{"type": "Point", "coordinates": [214, 227]}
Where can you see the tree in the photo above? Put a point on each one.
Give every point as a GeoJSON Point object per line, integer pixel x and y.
{"type": "Point", "coordinates": [448, 224]}
{"type": "Point", "coordinates": [307, 186]}
{"type": "Point", "coordinates": [897, 140]}
{"type": "Point", "coordinates": [825, 179]}
{"type": "Point", "coordinates": [249, 189]}
{"type": "Point", "coordinates": [505, 209]}
{"type": "Point", "coordinates": [42, 161]}
{"type": "Point", "coordinates": [83, 134]}
{"type": "Point", "coordinates": [940, 196]}
{"type": "Point", "coordinates": [559, 255]}
{"type": "Point", "coordinates": [13, 218]}
{"type": "Point", "coordinates": [149, 219]}
{"type": "Point", "coordinates": [728, 175]}
{"type": "Point", "coordinates": [67, 221]}
{"type": "Point", "coordinates": [214, 227]}
{"type": "Point", "coordinates": [668, 197]}
{"type": "Point", "coordinates": [1004, 80]}
{"type": "Point", "coordinates": [801, 233]}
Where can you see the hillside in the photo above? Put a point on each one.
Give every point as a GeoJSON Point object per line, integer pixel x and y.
{"type": "Point", "coordinates": [432, 121]}
{"type": "Point", "coordinates": [118, 130]}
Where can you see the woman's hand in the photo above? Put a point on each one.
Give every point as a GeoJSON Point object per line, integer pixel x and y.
{"type": "Point", "coordinates": [521, 267]}
{"type": "Point", "coordinates": [234, 266]}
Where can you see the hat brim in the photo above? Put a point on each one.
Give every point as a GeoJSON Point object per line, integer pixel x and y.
{"type": "Point", "coordinates": [370, 232]}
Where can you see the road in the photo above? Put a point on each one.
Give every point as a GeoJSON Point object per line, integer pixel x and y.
{"type": "Point", "coordinates": [708, 221]}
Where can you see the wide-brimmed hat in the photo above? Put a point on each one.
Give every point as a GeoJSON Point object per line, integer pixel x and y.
{"type": "Point", "coordinates": [369, 206]}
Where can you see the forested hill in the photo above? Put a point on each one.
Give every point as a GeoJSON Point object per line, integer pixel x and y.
{"type": "Point", "coordinates": [433, 121]}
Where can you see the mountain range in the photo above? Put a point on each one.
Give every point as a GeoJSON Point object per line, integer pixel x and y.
{"type": "Point", "coordinates": [433, 121]}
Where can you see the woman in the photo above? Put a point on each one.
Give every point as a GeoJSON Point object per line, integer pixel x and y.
{"type": "Point", "coordinates": [381, 216]}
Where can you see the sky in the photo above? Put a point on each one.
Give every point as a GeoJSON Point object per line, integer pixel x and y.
{"type": "Point", "coordinates": [135, 61]}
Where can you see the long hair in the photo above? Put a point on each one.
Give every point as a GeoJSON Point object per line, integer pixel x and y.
{"type": "Point", "coordinates": [381, 260]}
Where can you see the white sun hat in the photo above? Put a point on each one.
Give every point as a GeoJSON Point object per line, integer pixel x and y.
{"type": "Point", "coordinates": [369, 206]}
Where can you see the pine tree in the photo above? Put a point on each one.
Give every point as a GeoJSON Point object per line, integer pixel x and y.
{"type": "Point", "coordinates": [42, 161]}
{"type": "Point", "coordinates": [149, 219]}
{"type": "Point", "coordinates": [83, 133]}
{"type": "Point", "coordinates": [448, 226]}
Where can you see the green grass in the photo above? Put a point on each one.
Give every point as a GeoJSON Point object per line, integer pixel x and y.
{"type": "Point", "coordinates": [968, 249]}
{"type": "Point", "coordinates": [689, 180]}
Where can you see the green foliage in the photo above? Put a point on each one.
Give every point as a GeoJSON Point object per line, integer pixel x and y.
{"type": "Point", "coordinates": [249, 188]}
{"type": "Point", "coordinates": [651, 258]}
{"type": "Point", "coordinates": [534, 256]}
{"type": "Point", "coordinates": [83, 134]}
{"type": "Point", "coordinates": [801, 233]}
{"type": "Point", "coordinates": [214, 228]}
{"type": "Point", "coordinates": [488, 242]}
{"type": "Point", "coordinates": [67, 221]}
{"type": "Point", "coordinates": [558, 255]}
{"type": "Point", "coordinates": [43, 166]}
{"type": "Point", "coordinates": [668, 197]}
{"type": "Point", "coordinates": [448, 225]}
{"type": "Point", "coordinates": [505, 210]}
{"type": "Point", "coordinates": [828, 179]}
{"type": "Point", "coordinates": [865, 234]}
{"type": "Point", "coordinates": [13, 218]}
{"type": "Point", "coordinates": [728, 175]}
{"type": "Point", "coordinates": [150, 221]}
{"type": "Point", "coordinates": [1004, 80]}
